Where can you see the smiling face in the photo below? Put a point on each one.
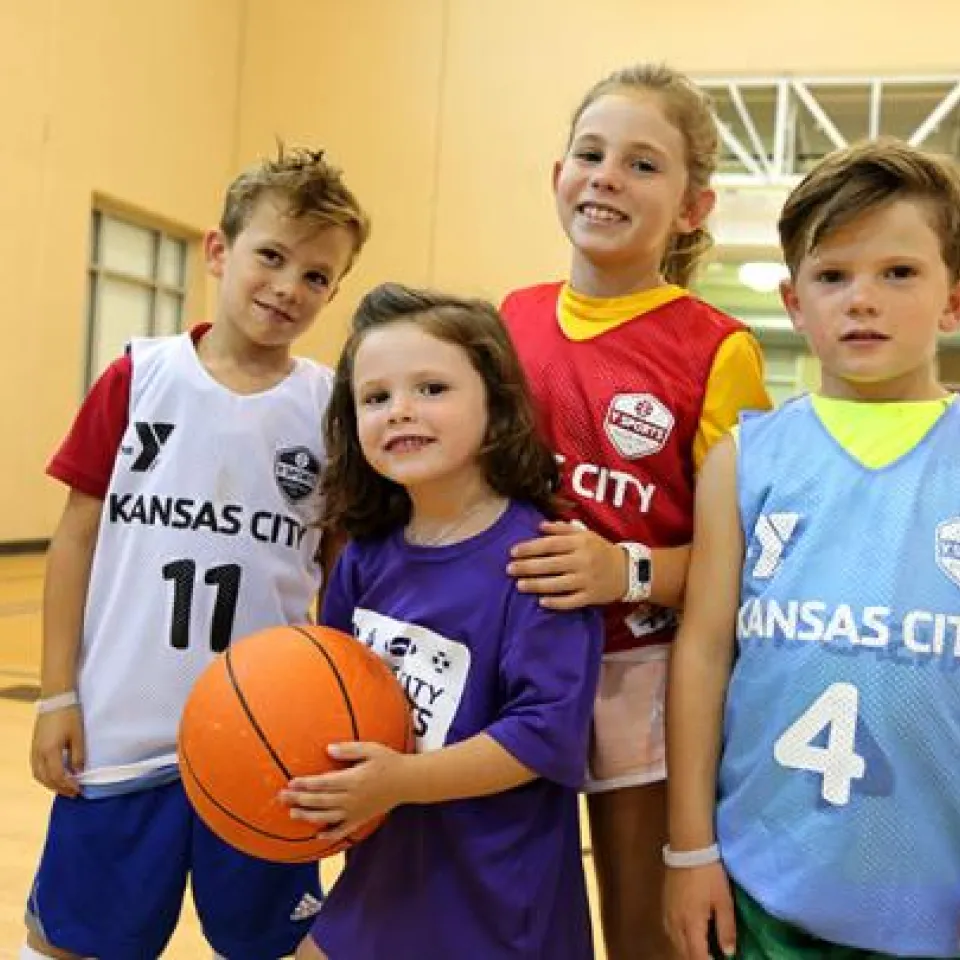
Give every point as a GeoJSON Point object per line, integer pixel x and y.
{"type": "Point", "coordinates": [622, 188]}
{"type": "Point", "coordinates": [277, 274]}
{"type": "Point", "coordinates": [421, 410]}
{"type": "Point", "coordinates": [872, 299]}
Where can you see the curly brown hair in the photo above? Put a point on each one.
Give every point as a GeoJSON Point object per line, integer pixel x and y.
{"type": "Point", "coordinates": [516, 462]}
{"type": "Point", "coordinates": [848, 183]}
{"type": "Point", "coordinates": [308, 186]}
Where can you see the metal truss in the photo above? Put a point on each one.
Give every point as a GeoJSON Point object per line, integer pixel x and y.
{"type": "Point", "coordinates": [774, 129]}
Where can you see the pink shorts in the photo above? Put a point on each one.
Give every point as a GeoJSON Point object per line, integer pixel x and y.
{"type": "Point", "coordinates": [628, 746]}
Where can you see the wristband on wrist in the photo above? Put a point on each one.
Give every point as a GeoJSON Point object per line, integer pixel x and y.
{"type": "Point", "coordinates": [684, 859]}
{"type": "Point", "coordinates": [639, 572]}
{"type": "Point", "coordinates": [59, 702]}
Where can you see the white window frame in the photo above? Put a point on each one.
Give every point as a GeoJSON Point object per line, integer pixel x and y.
{"type": "Point", "coordinates": [154, 285]}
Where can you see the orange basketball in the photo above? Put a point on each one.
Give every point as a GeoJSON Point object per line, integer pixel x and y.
{"type": "Point", "coordinates": [265, 712]}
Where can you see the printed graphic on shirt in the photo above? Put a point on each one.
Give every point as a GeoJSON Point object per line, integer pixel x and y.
{"type": "Point", "coordinates": [225, 519]}
{"type": "Point", "coordinates": [948, 548]}
{"type": "Point", "coordinates": [773, 532]}
{"type": "Point", "coordinates": [431, 668]}
{"type": "Point", "coordinates": [849, 629]}
{"type": "Point", "coordinates": [638, 424]}
{"type": "Point", "coordinates": [648, 619]}
{"type": "Point", "coordinates": [297, 472]}
{"type": "Point", "coordinates": [152, 437]}
{"type": "Point", "coordinates": [599, 484]}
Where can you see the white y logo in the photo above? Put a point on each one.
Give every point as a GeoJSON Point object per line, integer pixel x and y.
{"type": "Point", "coordinates": [772, 530]}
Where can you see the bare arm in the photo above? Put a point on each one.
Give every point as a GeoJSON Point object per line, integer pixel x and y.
{"type": "Point", "coordinates": [65, 591]}
{"type": "Point", "coordinates": [699, 672]}
{"type": "Point", "coordinates": [64, 596]}
{"type": "Point", "coordinates": [478, 767]}
{"type": "Point", "coordinates": [383, 779]}
{"type": "Point", "coordinates": [572, 567]}
{"type": "Point", "coordinates": [668, 568]}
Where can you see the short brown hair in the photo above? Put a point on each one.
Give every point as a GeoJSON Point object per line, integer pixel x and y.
{"type": "Point", "coordinates": [307, 185]}
{"type": "Point", "coordinates": [516, 462]}
{"type": "Point", "coordinates": [851, 182]}
{"type": "Point", "coordinates": [688, 108]}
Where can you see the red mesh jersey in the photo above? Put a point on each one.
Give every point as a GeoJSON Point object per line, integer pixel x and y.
{"type": "Point", "coordinates": [621, 411]}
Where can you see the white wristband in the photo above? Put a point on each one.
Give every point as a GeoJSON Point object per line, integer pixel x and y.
{"type": "Point", "coordinates": [684, 859]}
{"type": "Point", "coordinates": [639, 573]}
{"type": "Point", "coordinates": [59, 702]}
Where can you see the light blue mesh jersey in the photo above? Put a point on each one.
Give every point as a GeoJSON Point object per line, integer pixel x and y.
{"type": "Point", "coordinates": [839, 797]}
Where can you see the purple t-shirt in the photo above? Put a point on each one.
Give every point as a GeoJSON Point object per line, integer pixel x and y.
{"type": "Point", "coordinates": [498, 876]}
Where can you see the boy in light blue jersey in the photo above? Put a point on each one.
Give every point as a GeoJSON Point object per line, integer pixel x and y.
{"type": "Point", "coordinates": [814, 703]}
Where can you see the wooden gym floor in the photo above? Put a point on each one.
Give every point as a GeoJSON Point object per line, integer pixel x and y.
{"type": "Point", "coordinates": [25, 803]}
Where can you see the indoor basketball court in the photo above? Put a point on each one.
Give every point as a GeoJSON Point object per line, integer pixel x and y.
{"type": "Point", "coordinates": [123, 122]}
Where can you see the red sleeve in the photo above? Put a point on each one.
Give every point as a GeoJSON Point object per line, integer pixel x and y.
{"type": "Point", "coordinates": [86, 457]}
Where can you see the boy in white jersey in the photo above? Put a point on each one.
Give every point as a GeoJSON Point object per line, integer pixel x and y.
{"type": "Point", "coordinates": [193, 469]}
{"type": "Point", "coordinates": [814, 703]}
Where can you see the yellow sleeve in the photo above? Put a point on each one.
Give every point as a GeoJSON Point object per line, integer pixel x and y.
{"type": "Point", "coordinates": [735, 384]}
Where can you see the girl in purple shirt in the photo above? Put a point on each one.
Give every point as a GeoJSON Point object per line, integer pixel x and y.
{"type": "Point", "coordinates": [435, 470]}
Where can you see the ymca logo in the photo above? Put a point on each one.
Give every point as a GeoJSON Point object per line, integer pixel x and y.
{"type": "Point", "coordinates": [152, 437]}
{"type": "Point", "coordinates": [948, 548]}
{"type": "Point", "coordinates": [773, 531]}
{"type": "Point", "coordinates": [297, 472]}
{"type": "Point", "coordinates": [638, 424]}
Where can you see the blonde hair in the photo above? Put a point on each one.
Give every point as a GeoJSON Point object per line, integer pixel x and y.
{"type": "Point", "coordinates": [687, 108]}
{"type": "Point", "coordinates": [851, 182]}
{"type": "Point", "coordinates": [306, 185]}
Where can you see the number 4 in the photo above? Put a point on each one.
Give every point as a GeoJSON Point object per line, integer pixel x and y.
{"type": "Point", "coordinates": [838, 763]}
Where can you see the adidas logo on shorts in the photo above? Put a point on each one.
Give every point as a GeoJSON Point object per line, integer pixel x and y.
{"type": "Point", "coordinates": [309, 906]}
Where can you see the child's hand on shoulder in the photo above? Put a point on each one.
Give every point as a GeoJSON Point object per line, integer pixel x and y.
{"type": "Point", "coordinates": [569, 566]}
{"type": "Point", "coordinates": [342, 801]}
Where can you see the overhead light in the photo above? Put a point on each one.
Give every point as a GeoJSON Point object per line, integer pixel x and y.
{"type": "Point", "coordinates": [762, 276]}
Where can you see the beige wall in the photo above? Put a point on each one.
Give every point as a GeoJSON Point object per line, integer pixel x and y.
{"type": "Point", "coordinates": [448, 114]}
{"type": "Point", "coordinates": [362, 80]}
{"type": "Point", "coordinates": [445, 114]}
{"type": "Point", "coordinates": [516, 69]}
{"type": "Point", "coordinates": [134, 100]}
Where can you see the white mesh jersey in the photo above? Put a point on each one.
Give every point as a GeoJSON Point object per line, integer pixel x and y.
{"type": "Point", "coordinates": [209, 533]}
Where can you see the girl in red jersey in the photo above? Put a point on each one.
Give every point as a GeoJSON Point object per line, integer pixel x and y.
{"type": "Point", "coordinates": [634, 380]}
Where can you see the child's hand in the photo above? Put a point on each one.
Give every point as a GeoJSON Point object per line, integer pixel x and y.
{"type": "Point", "coordinates": [346, 799]}
{"type": "Point", "coordinates": [694, 895]}
{"type": "Point", "coordinates": [58, 736]}
{"type": "Point", "coordinates": [570, 566]}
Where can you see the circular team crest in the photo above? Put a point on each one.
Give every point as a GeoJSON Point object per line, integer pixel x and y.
{"type": "Point", "coordinates": [948, 548]}
{"type": "Point", "coordinates": [638, 424]}
{"type": "Point", "coordinates": [297, 472]}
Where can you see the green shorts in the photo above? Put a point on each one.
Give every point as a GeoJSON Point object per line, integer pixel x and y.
{"type": "Point", "coordinates": [761, 936]}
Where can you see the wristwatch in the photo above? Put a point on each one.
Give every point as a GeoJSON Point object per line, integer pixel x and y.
{"type": "Point", "coordinates": [639, 572]}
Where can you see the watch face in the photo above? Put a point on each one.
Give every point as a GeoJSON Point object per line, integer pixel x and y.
{"type": "Point", "coordinates": [644, 570]}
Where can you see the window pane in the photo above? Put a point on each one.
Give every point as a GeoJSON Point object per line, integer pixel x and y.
{"type": "Point", "coordinates": [169, 313]}
{"type": "Point", "coordinates": [122, 312]}
{"type": "Point", "coordinates": [780, 363]}
{"type": "Point", "coordinates": [172, 257]}
{"type": "Point", "coordinates": [783, 372]}
{"type": "Point", "coordinates": [126, 248]}
{"type": "Point", "coordinates": [780, 392]}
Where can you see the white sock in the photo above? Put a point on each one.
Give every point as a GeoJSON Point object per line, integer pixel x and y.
{"type": "Point", "coordinates": [28, 953]}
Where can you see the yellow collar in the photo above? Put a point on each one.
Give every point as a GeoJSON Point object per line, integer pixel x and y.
{"type": "Point", "coordinates": [582, 317]}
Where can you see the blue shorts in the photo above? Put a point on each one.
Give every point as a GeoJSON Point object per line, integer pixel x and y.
{"type": "Point", "coordinates": [113, 873]}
